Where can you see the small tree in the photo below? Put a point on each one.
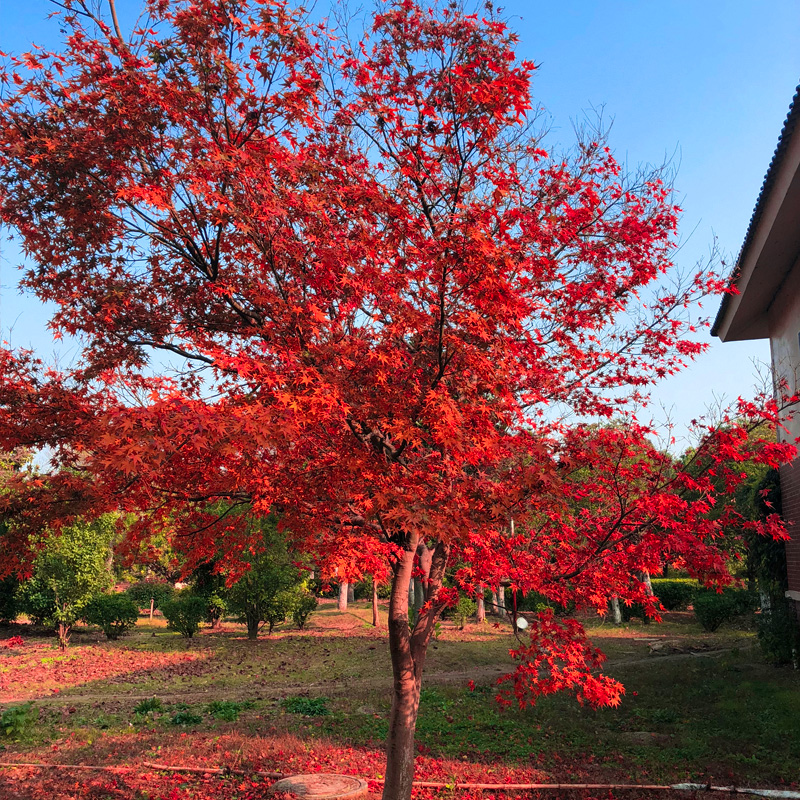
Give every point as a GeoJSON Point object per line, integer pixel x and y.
{"type": "Point", "coordinates": [264, 593]}
{"type": "Point", "coordinates": [71, 567]}
{"type": "Point", "coordinates": [381, 289]}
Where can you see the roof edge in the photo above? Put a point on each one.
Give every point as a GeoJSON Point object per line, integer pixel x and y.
{"type": "Point", "coordinates": [790, 123]}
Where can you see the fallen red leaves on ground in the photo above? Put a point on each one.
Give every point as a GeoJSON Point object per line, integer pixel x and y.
{"type": "Point", "coordinates": [39, 670]}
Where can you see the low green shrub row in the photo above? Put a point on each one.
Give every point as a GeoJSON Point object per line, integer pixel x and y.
{"type": "Point", "coordinates": [675, 594]}
{"type": "Point", "coordinates": [713, 608]}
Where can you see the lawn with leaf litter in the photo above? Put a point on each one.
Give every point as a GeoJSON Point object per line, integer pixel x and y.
{"type": "Point", "coordinates": [700, 707]}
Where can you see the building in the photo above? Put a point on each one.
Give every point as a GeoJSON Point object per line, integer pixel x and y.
{"type": "Point", "coordinates": [767, 275]}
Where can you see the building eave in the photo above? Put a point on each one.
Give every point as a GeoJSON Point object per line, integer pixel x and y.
{"type": "Point", "coordinates": [770, 244]}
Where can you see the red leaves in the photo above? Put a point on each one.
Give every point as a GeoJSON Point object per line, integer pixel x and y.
{"type": "Point", "coordinates": [350, 285]}
{"type": "Point", "coordinates": [559, 657]}
{"type": "Point", "coordinates": [39, 670]}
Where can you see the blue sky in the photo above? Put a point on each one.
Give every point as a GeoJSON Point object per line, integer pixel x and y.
{"type": "Point", "coordinates": [707, 84]}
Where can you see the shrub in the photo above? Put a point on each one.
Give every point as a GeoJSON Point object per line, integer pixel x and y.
{"type": "Point", "coordinates": [304, 604]}
{"type": "Point", "coordinates": [114, 613]}
{"type": "Point", "coordinates": [465, 608]}
{"type": "Point", "coordinates": [142, 592]}
{"type": "Point", "coordinates": [185, 717]}
{"type": "Point", "coordinates": [15, 720]}
{"type": "Point", "coordinates": [307, 706]}
{"type": "Point", "coordinates": [533, 601]}
{"type": "Point", "coordinates": [227, 710]}
{"type": "Point", "coordinates": [628, 612]}
{"type": "Point", "coordinates": [9, 600]}
{"type": "Point", "coordinates": [278, 608]}
{"type": "Point", "coordinates": [216, 608]}
{"type": "Point", "coordinates": [148, 706]}
{"type": "Point", "coordinates": [713, 608]}
{"type": "Point", "coordinates": [675, 594]}
{"type": "Point", "coordinates": [778, 633]}
{"type": "Point", "coordinates": [184, 613]}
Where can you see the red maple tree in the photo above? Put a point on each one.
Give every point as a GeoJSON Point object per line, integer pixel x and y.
{"type": "Point", "coordinates": [347, 282]}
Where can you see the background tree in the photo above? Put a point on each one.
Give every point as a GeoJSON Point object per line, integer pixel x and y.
{"type": "Point", "coordinates": [68, 571]}
{"type": "Point", "coordinates": [9, 601]}
{"type": "Point", "coordinates": [150, 594]}
{"type": "Point", "coordinates": [350, 283]}
{"type": "Point", "coordinates": [210, 584]}
{"type": "Point", "coordinates": [270, 587]}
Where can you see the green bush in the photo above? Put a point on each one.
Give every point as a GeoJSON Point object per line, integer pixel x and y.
{"type": "Point", "coordinates": [185, 717]}
{"type": "Point", "coordinates": [307, 706]}
{"type": "Point", "coordinates": [142, 592]}
{"type": "Point", "coordinates": [304, 604]}
{"type": "Point", "coordinates": [633, 610]}
{"type": "Point", "coordinates": [675, 594]}
{"type": "Point", "coordinates": [227, 710]}
{"type": "Point", "coordinates": [9, 600]}
{"type": "Point", "coordinates": [114, 613]}
{"type": "Point", "coordinates": [216, 608]}
{"type": "Point", "coordinates": [778, 632]}
{"type": "Point", "coordinates": [148, 706]}
{"type": "Point", "coordinates": [465, 608]}
{"type": "Point", "coordinates": [533, 601]}
{"type": "Point", "coordinates": [184, 613]}
{"type": "Point", "coordinates": [15, 720]}
{"type": "Point", "coordinates": [363, 590]}
{"type": "Point", "coordinates": [713, 608]}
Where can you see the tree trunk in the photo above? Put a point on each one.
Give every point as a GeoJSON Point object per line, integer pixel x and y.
{"type": "Point", "coordinates": [645, 577]}
{"type": "Point", "coordinates": [419, 597]}
{"type": "Point", "coordinates": [375, 620]}
{"type": "Point", "coordinates": [616, 613]}
{"type": "Point", "coordinates": [493, 606]}
{"type": "Point", "coordinates": [152, 607]}
{"type": "Point", "coordinates": [252, 627]}
{"type": "Point", "coordinates": [63, 632]}
{"type": "Point", "coordinates": [501, 602]}
{"type": "Point", "coordinates": [408, 650]}
{"type": "Point", "coordinates": [351, 593]}
{"type": "Point", "coordinates": [480, 613]}
{"type": "Point", "coordinates": [343, 593]}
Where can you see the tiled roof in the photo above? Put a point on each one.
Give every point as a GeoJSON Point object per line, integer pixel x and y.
{"type": "Point", "coordinates": [792, 122]}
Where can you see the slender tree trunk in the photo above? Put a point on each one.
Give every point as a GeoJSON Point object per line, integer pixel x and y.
{"type": "Point", "coordinates": [351, 593]}
{"type": "Point", "coordinates": [63, 632]}
{"type": "Point", "coordinates": [645, 576]}
{"type": "Point", "coordinates": [252, 628]}
{"type": "Point", "coordinates": [408, 649]}
{"type": "Point", "coordinates": [152, 607]}
{"type": "Point", "coordinates": [616, 613]}
{"type": "Point", "coordinates": [343, 593]}
{"type": "Point", "coordinates": [494, 608]}
{"type": "Point", "coordinates": [419, 597]}
{"type": "Point", "coordinates": [375, 620]}
{"type": "Point", "coordinates": [501, 602]}
{"type": "Point", "coordinates": [481, 610]}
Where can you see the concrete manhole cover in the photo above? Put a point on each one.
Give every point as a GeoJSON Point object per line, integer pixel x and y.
{"type": "Point", "coordinates": [322, 786]}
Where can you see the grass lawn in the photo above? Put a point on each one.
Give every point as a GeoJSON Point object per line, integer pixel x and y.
{"type": "Point", "coordinates": [698, 707]}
